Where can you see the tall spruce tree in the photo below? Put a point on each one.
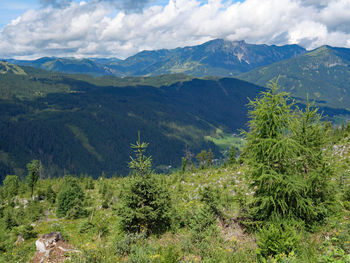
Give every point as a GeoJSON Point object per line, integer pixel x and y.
{"type": "Point", "coordinates": [288, 170]}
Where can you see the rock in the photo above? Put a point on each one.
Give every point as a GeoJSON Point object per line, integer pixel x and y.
{"type": "Point", "coordinates": [51, 248]}
{"type": "Point", "coordinates": [40, 246]}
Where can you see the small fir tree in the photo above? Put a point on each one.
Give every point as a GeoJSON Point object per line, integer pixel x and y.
{"type": "Point", "coordinates": [145, 201]}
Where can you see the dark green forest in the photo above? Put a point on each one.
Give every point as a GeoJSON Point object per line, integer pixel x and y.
{"type": "Point", "coordinates": [82, 127]}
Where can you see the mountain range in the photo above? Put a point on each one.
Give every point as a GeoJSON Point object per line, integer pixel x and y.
{"type": "Point", "coordinates": [214, 58]}
{"type": "Point", "coordinates": [323, 73]}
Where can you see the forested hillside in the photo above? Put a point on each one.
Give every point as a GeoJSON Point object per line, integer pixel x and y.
{"type": "Point", "coordinates": [322, 73]}
{"type": "Point", "coordinates": [80, 124]}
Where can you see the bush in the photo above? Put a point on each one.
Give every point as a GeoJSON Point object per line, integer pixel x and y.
{"type": "Point", "coordinates": [34, 210]}
{"type": "Point", "coordinates": [27, 231]}
{"type": "Point", "coordinates": [211, 197]}
{"type": "Point", "coordinates": [278, 237]}
{"type": "Point", "coordinates": [124, 242]}
{"type": "Point", "coordinates": [77, 211]}
{"type": "Point", "coordinates": [86, 227]}
{"type": "Point", "coordinates": [89, 183]}
{"type": "Point", "coordinates": [9, 218]}
{"type": "Point", "coordinates": [11, 185]}
{"type": "Point", "coordinates": [169, 254]}
{"type": "Point", "coordinates": [202, 225]}
{"type": "Point", "coordinates": [50, 194]}
{"type": "Point", "coordinates": [69, 198]}
{"type": "Point", "coordinates": [140, 254]}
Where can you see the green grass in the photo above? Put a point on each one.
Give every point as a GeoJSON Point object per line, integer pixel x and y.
{"type": "Point", "coordinates": [226, 140]}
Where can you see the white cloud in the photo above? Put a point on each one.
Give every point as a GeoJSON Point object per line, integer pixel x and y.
{"type": "Point", "coordinates": [96, 28]}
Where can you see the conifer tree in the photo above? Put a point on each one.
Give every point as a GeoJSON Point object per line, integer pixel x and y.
{"type": "Point", "coordinates": [285, 158]}
{"type": "Point", "coordinates": [11, 185]}
{"type": "Point", "coordinates": [145, 202]}
{"type": "Point", "coordinates": [34, 168]}
{"type": "Point", "coordinates": [70, 199]}
{"type": "Point", "coordinates": [183, 165]}
{"type": "Point", "coordinates": [232, 155]}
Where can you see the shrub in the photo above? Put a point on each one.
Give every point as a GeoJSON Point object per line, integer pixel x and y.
{"type": "Point", "coordinates": [34, 210]}
{"type": "Point", "coordinates": [168, 254]}
{"type": "Point", "coordinates": [27, 231]}
{"type": "Point", "coordinates": [278, 237]}
{"type": "Point", "coordinates": [89, 183]}
{"type": "Point", "coordinates": [77, 211]}
{"type": "Point", "coordinates": [70, 197]}
{"type": "Point", "coordinates": [86, 227]}
{"type": "Point", "coordinates": [50, 194]}
{"type": "Point", "coordinates": [202, 225]}
{"type": "Point", "coordinates": [125, 241]}
{"type": "Point", "coordinates": [9, 218]}
{"type": "Point", "coordinates": [211, 197]}
{"type": "Point", "coordinates": [232, 156]}
{"type": "Point", "coordinates": [11, 185]}
{"type": "Point", "coordinates": [34, 168]}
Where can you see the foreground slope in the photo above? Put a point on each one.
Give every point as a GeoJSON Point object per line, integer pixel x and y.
{"type": "Point", "coordinates": [323, 73]}
{"type": "Point", "coordinates": [193, 236]}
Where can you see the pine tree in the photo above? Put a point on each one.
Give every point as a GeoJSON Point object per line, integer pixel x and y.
{"type": "Point", "coordinates": [284, 154]}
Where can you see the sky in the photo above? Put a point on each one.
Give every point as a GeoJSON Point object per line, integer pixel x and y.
{"type": "Point", "coordinates": [30, 29]}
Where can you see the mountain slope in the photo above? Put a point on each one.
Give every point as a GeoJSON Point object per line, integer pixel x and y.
{"type": "Point", "coordinates": [6, 67]}
{"type": "Point", "coordinates": [214, 58]}
{"type": "Point", "coordinates": [96, 67]}
{"type": "Point", "coordinates": [323, 73]}
{"type": "Point", "coordinates": [73, 125]}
